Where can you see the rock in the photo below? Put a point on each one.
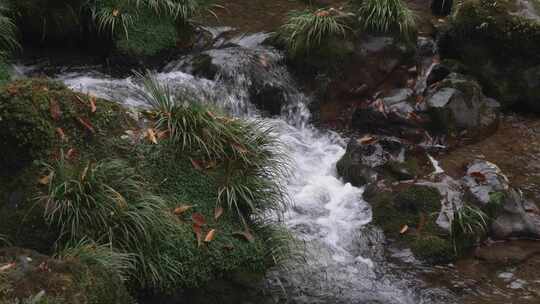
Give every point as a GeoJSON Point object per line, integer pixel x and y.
{"type": "Point", "coordinates": [501, 48]}
{"type": "Point", "coordinates": [438, 72]}
{"type": "Point", "coordinates": [374, 158]}
{"type": "Point", "coordinates": [507, 253]}
{"type": "Point", "coordinates": [457, 104]}
{"type": "Point", "coordinates": [517, 218]}
{"type": "Point", "coordinates": [35, 276]}
{"type": "Point", "coordinates": [485, 179]}
{"type": "Point", "coordinates": [441, 7]}
{"type": "Point", "coordinates": [393, 115]}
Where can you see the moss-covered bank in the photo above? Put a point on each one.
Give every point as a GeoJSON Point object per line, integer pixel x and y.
{"type": "Point", "coordinates": [44, 122]}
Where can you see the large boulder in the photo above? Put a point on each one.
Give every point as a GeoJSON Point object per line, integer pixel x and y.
{"type": "Point", "coordinates": [457, 105]}
{"type": "Point", "coordinates": [512, 215]}
{"type": "Point", "coordinates": [500, 43]}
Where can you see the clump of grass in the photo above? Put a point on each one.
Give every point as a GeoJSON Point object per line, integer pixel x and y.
{"type": "Point", "coordinates": [387, 16]}
{"type": "Point", "coordinates": [308, 30]}
{"type": "Point", "coordinates": [8, 31]}
{"type": "Point", "coordinates": [110, 203]}
{"type": "Point", "coordinates": [91, 253]}
{"type": "Point", "coordinates": [469, 224]}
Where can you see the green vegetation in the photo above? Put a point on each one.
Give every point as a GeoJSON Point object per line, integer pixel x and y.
{"type": "Point", "coordinates": [468, 226]}
{"type": "Point", "coordinates": [169, 207]}
{"type": "Point", "coordinates": [7, 31]}
{"type": "Point", "coordinates": [306, 31]}
{"type": "Point", "coordinates": [387, 16]}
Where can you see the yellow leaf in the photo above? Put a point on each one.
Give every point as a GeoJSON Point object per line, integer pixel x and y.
{"type": "Point", "coordinates": [404, 229]}
{"type": "Point", "coordinates": [45, 180]}
{"type": "Point", "coordinates": [152, 136]}
{"type": "Point", "coordinates": [182, 209]}
{"type": "Point", "coordinates": [210, 236]}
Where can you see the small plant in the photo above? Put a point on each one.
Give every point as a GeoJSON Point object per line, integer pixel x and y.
{"type": "Point", "coordinates": [7, 31]}
{"type": "Point", "coordinates": [90, 253]}
{"type": "Point", "coordinates": [307, 30]}
{"type": "Point", "coordinates": [4, 240]}
{"type": "Point", "coordinates": [469, 224]}
{"type": "Point", "coordinates": [387, 16]}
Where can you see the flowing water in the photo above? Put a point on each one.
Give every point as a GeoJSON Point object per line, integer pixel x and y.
{"type": "Point", "coordinates": [345, 257]}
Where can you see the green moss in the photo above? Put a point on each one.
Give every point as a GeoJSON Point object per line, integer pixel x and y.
{"type": "Point", "coordinates": [416, 207]}
{"type": "Point", "coordinates": [149, 36]}
{"type": "Point", "coordinates": [350, 172]}
{"type": "Point", "coordinates": [433, 249]}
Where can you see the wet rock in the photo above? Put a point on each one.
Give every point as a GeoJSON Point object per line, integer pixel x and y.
{"type": "Point", "coordinates": [438, 73]}
{"type": "Point", "coordinates": [367, 158]}
{"type": "Point", "coordinates": [457, 104]}
{"type": "Point", "coordinates": [394, 115]}
{"type": "Point", "coordinates": [513, 216]}
{"type": "Point", "coordinates": [507, 253]}
{"type": "Point", "coordinates": [502, 50]}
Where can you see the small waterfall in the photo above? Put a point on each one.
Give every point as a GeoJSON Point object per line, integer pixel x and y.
{"type": "Point", "coordinates": [345, 256]}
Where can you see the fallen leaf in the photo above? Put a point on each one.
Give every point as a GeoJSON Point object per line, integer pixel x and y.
{"type": "Point", "coordinates": [54, 108]}
{"type": "Point", "coordinates": [478, 176]}
{"type": "Point", "coordinates": [210, 164]}
{"type": "Point", "coordinates": [404, 229]}
{"type": "Point", "coordinates": [93, 107]}
{"type": "Point", "coordinates": [163, 134]}
{"type": "Point", "coordinates": [210, 236]}
{"type": "Point", "coordinates": [61, 134]}
{"type": "Point", "coordinates": [85, 171]}
{"type": "Point", "coordinates": [151, 136]}
{"type": "Point", "coordinates": [7, 266]}
{"type": "Point", "coordinates": [322, 14]}
{"type": "Point", "coordinates": [211, 114]}
{"type": "Point", "coordinates": [246, 235]}
{"type": "Point", "coordinates": [85, 123]}
{"type": "Point", "coordinates": [195, 164]}
{"type": "Point", "coordinates": [71, 153]}
{"type": "Point", "coordinates": [45, 180]}
{"type": "Point", "coordinates": [182, 209]}
{"type": "Point", "coordinates": [198, 219]}
{"type": "Point", "coordinates": [12, 90]}
{"type": "Point", "coordinates": [218, 212]}
{"type": "Point", "coordinates": [367, 140]}
{"type": "Point", "coordinates": [115, 13]}
{"type": "Point", "coordinates": [198, 233]}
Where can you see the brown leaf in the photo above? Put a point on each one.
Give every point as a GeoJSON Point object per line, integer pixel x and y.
{"type": "Point", "coordinates": [210, 236]}
{"type": "Point", "coordinates": [322, 14]}
{"type": "Point", "coordinates": [115, 12]}
{"type": "Point", "coordinates": [367, 140]}
{"type": "Point", "coordinates": [218, 212]}
{"type": "Point", "coordinates": [196, 164]}
{"type": "Point", "coordinates": [246, 234]}
{"type": "Point", "coordinates": [12, 90]}
{"type": "Point", "coordinates": [198, 219]}
{"type": "Point", "coordinates": [239, 148]}
{"type": "Point", "coordinates": [85, 123]}
{"type": "Point", "coordinates": [151, 136]}
{"type": "Point", "coordinates": [210, 164]}
{"type": "Point", "coordinates": [45, 180]}
{"type": "Point", "coordinates": [93, 107]}
{"type": "Point", "coordinates": [211, 114]}
{"type": "Point", "coordinates": [61, 134]}
{"type": "Point", "coordinates": [54, 108]}
{"type": "Point", "coordinates": [478, 176]}
{"type": "Point", "coordinates": [180, 210]}
{"type": "Point", "coordinates": [7, 266]}
{"type": "Point", "coordinates": [85, 171]}
{"type": "Point", "coordinates": [404, 229]}
{"type": "Point", "coordinates": [198, 233]}
{"type": "Point", "coordinates": [71, 153]}
{"type": "Point", "coordinates": [163, 134]}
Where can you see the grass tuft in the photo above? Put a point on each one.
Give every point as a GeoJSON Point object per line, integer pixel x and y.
{"type": "Point", "coordinates": [387, 16]}
{"type": "Point", "coordinates": [308, 30]}
{"type": "Point", "coordinates": [8, 31]}
{"type": "Point", "coordinates": [469, 224]}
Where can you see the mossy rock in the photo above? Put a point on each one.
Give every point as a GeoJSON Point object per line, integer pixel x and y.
{"type": "Point", "coordinates": [37, 115]}
{"type": "Point", "coordinates": [36, 276]}
{"type": "Point", "coordinates": [499, 47]}
{"type": "Point", "coordinates": [416, 207]}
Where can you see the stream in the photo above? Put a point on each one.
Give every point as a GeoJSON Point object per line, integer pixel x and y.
{"type": "Point", "coordinates": [346, 259]}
